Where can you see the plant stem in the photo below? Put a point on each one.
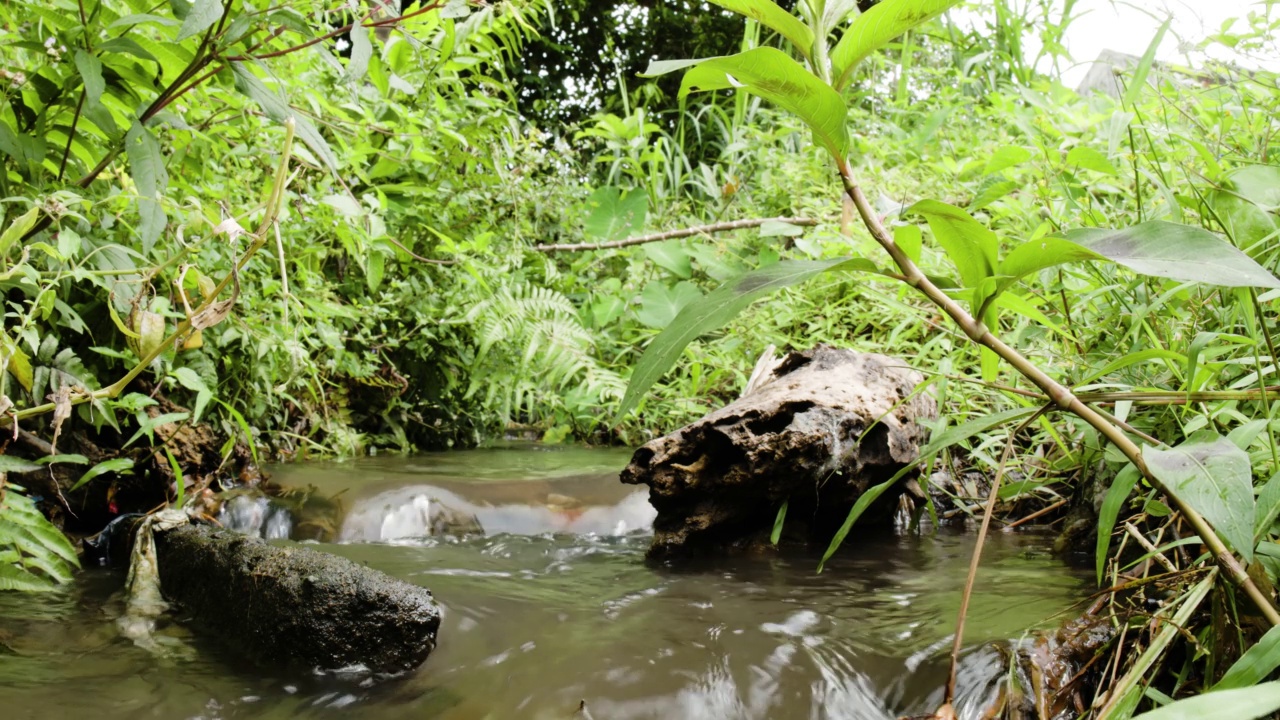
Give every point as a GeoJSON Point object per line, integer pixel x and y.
{"type": "Point", "coordinates": [1056, 392]}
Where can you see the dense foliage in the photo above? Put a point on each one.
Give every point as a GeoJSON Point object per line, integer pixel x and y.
{"type": "Point", "coordinates": [389, 290]}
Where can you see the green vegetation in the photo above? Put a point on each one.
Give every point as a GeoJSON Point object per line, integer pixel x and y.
{"type": "Point", "coordinates": [1101, 271]}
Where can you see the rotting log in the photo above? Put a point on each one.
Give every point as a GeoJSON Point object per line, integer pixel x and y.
{"type": "Point", "coordinates": [822, 427]}
{"type": "Point", "coordinates": [293, 605]}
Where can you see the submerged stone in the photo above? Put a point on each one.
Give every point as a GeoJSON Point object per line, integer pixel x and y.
{"type": "Point", "coordinates": [815, 431]}
{"type": "Point", "coordinates": [295, 606]}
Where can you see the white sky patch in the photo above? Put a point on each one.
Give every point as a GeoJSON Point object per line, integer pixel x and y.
{"type": "Point", "coordinates": [1129, 26]}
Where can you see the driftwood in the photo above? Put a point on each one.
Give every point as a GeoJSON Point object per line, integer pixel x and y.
{"type": "Point", "coordinates": [815, 432]}
{"type": "Point", "coordinates": [291, 605]}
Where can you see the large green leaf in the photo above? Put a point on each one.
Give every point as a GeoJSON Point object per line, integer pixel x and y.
{"type": "Point", "coordinates": [969, 244]}
{"type": "Point", "coordinates": [717, 308]}
{"type": "Point", "coordinates": [774, 76]}
{"type": "Point", "coordinates": [616, 213]}
{"type": "Point", "coordinates": [1177, 252]}
{"type": "Point", "coordinates": [775, 18]}
{"type": "Point", "coordinates": [278, 110]}
{"type": "Point", "coordinates": [1212, 475]}
{"type": "Point", "coordinates": [1240, 704]}
{"type": "Point", "coordinates": [876, 27]}
{"type": "Point", "coordinates": [146, 165]}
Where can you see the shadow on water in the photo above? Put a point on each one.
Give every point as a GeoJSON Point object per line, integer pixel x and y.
{"type": "Point", "coordinates": [545, 609]}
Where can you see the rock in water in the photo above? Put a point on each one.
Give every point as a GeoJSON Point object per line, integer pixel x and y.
{"type": "Point", "coordinates": [293, 605]}
{"type": "Point", "coordinates": [828, 424]}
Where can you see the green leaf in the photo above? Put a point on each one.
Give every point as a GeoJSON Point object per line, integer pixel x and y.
{"type": "Point", "coordinates": [670, 255]}
{"type": "Point", "coordinates": [73, 458]}
{"type": "Point", "coordinates": [1257, 663]}
{"type": "Point", "coordinates": [146, 166]}
{"type": "Point", "coordinates": [1259, 184]}
{"type": "Point", "coordinates": [864, 501]}
{"type": "Point", "coordinates": [774, 76]}
{"type": "Point", "coordinates": [1134, 358]}
{"type": "Point", "coordinates": [1175, 251]}
{"type": "Point", "coordinates": [910, 239]}
{"type": "Point", "coordinates": [1240, 704]}
{"type": "Point", "coordinates": [191, 381]}
{"type": "Point", "coordinates": [278, 110]}
{"type": "Point", "coordinates": [115, 465]}
{"type": "Point", "coordinates": [969, 245]}
{"type": "Point", "coordinates": [19, 227]}
{"type": "Point", "coordinates": [1005, 158]}
{"type": "Point", "coordinates": [660, 304]}
{"type": "Point", "coordinates": [11, 464]}
{"type": "Point", "coordinates": [874, 29]}
{"type": "Point", "coordinates": [616, 214]}
{"type": "Point", "coordinates": [1212, 475]}
{"type": "Point", "coordinates": [1085, 157]}
{"type": "Point", "coordinates": [15, 578]}
{"type": "Point", "coordinates": [201, 17]}
{"type": "Point", "coordinates": [778, 521]}
{"type": "Point", "coordinates": [90, 69]}
{"type": "Point", "coordinates": [937, 443]}
{"type": "Point", "coordinates": [361, 51]}
{"type": "Point", "coordinates": [1119, 491]}
{"type": "Point", "coordinates": [1140, 72]}
{"type": "Point", "coordinates": [1268, 508]}
{"type": "Point", "coordinates": [767, 13]}
{"type": "Point", "coordinates": [717, 308]}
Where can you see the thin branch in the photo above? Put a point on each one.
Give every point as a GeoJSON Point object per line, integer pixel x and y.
{"type": "Point", "coordinates": [672, 234]}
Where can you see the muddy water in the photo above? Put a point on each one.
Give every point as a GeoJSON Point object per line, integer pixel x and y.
{"type": "Point", "coordinates": [548, 601]}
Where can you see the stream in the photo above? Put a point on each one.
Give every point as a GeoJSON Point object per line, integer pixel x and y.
{"type": "Point", "coordinates": [537, 559]}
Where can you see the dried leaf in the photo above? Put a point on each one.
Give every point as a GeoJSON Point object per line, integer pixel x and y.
{"type": "Point", "coordinates": [61, 399]}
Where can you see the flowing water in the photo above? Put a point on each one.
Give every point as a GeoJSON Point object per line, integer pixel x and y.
{"type": "Point", "coordinates": [537, 558]}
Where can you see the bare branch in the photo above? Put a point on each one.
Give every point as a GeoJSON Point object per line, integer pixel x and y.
{"type": "Point", "coordinates": [672, 234]}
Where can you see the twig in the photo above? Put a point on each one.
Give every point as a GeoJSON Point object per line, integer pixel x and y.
{"type": "Point", "coordinates": [671, 234]}
{"type": "Point", "coordinates": [1039, 513]}
{"type": "Point", "coordinates": [1146, 545]}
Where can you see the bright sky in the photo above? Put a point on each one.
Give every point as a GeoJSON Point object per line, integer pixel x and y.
{"type": "Point", "coordinates": [1130, 25]}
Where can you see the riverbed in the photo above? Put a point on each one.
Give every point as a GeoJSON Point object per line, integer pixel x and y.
{"type": "Point", "coordinates": [536, 556]}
